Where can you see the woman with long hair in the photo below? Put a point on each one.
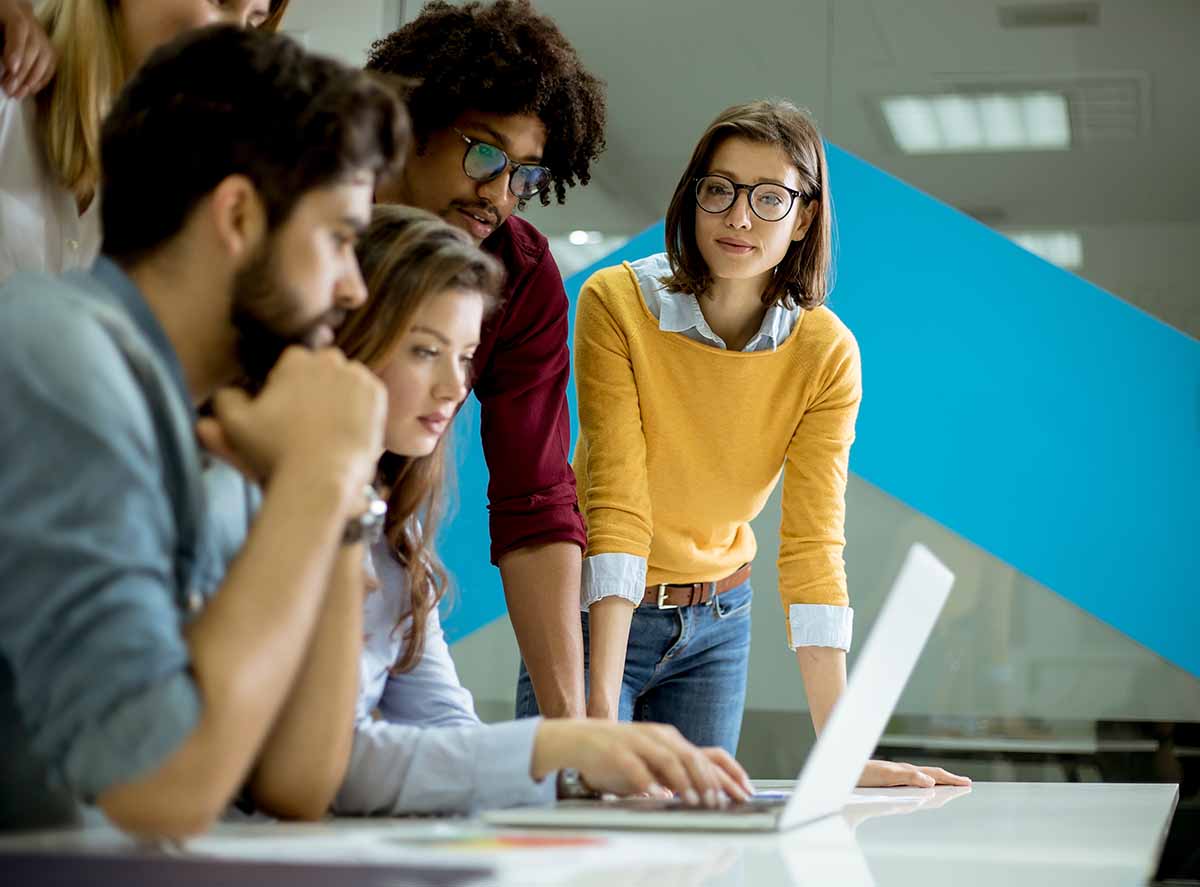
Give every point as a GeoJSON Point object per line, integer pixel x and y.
{"type": "Point", "coordinates": [50, 142]}
{"type": "Point", "coordinates": [705, 374]}
{"type": "Point", "coordinates": [418, 744]}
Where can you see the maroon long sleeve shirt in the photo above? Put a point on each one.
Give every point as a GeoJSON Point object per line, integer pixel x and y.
{"type": "Point", "coordinates": [522, 369]}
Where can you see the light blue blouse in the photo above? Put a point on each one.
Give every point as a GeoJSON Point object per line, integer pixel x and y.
{"type": "Point", "coordinates": [419, 747]}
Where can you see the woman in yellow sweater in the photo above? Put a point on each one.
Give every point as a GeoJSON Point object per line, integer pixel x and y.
{"type": "Point", "coordinates": [704, 375]}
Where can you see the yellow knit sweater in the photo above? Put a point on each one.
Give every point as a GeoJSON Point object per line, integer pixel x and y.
{"type": "Point", "coordinates": [682, 443]}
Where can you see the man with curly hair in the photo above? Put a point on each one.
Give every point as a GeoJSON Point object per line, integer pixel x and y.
{"type": "Point", "coordinates": [504, 112]}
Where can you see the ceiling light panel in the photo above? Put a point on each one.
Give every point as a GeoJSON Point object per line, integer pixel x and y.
{"type": "Point", "coordinates": [1049, 15]}
{"type": "Point", "coordinates": [1063, 248]}
{"type": "Point", "coordinates": [957, 123]}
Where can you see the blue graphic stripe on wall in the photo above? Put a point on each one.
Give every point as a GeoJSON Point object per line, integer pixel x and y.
{"type": "Point", "coordinates": [1050, 423]}
{"type": "Point", "coordinates": [463, 543]}
{"type": "Point", "coordinates": [1042, 418]}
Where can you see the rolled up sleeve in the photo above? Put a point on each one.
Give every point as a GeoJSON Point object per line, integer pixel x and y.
{"type": "Point", "coordinates": [524, 421]}
{"type": "Point", "coordinates": [820, 625]}
{"type": "Point", "coordinates": [612, 575]}
{"type": "Point", "coordinates": [611, 456]}
{"type": "Point", "coordinates": [812, 570]}
{"type": "Point", "coordinates": [88, 619]}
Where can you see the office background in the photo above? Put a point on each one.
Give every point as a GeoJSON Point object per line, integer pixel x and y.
{"type": "Point", "coordinates": [1006, 130]}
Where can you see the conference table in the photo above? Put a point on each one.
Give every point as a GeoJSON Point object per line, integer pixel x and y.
{"type": "Point", "coordinates": [1094, 834]}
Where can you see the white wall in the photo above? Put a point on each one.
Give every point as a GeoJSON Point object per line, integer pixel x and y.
{"type": "Point", "coordinates": [343, 30]}
{"type": "Point", "coordinates": [1154, 265]}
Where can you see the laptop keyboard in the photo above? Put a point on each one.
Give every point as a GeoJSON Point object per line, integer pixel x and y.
{"type": "Point", "coordinates": [661, 805]}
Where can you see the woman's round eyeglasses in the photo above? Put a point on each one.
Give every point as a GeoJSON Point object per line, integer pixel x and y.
{"type": "Point", "coordinates": [769, 201]}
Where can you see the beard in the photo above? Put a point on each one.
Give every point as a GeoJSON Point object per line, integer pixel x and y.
{"type": "Point", "coordinates": [265, 328]}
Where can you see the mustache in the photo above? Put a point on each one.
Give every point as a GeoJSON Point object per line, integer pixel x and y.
{"type": "Point", "coordinates": [480, 209]}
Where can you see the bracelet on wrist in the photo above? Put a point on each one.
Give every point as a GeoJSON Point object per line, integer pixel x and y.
{"type": "Point", "coordinates": [367, 526]}
{"type": "Point", "coordinates": [571, 786]}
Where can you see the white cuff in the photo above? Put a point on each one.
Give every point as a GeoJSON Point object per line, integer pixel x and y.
{"type": "Point", "coordinates": [612, 575]}
{"type": "Point", "coordinates": [820, 625]}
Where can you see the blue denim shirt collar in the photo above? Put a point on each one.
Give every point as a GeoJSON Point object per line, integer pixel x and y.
{"type": "Point", "coordinates": [680, 312]}
{"type": "Point", "coordinates": [130, 298]}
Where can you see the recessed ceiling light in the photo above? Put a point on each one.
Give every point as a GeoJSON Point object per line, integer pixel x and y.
{"type": "Point", "coordinates": [1063, 248]}
{"type": "Point", "coordinates": [577, 249]}
{"type": "Point", "coordinates": [579, 238]}
{"type": "Point", "coordinates": [956, 123]}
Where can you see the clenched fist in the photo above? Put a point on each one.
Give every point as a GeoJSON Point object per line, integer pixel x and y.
{"type": "Point", "coordinates": [318, 412]}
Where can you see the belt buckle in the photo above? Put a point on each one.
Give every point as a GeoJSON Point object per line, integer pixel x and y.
{"type": "Point", "coordinates": [662, 596]}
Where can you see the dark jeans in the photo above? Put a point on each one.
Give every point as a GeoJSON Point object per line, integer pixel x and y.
{"type": "Point", "coordinates": [685, 667]}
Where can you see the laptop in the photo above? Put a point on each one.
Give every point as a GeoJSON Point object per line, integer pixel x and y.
{"type": "Point", "coordinates": [832, 769]}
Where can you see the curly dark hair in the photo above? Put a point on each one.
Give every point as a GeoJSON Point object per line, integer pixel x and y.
{"type": "Point", "coordinates": [502, 58]}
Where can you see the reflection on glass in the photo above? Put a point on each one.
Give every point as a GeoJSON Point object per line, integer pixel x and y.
{"type": "Point", "coordinates": [1016, 683]}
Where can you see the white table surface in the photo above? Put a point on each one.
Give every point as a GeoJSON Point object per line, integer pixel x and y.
{"type": "Point", "coordinates": [1022, 834]}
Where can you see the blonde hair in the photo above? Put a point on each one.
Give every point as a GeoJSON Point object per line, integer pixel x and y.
{"type": "Point", "coordinates": [91, 71]}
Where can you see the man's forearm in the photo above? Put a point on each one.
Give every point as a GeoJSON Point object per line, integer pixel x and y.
{"type": "Point", "coordinates": [541, 586]}
{"type": "Point", "coordinates": [304, 758]}
{"type": "Point", "coordinates": [823, 670]}
{"type": "Point", "coordinates": [246, 651]}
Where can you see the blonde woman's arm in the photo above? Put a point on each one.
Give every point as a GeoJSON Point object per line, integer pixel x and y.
{"type": "Point", "coordinates": [611, 463]}
{"type": "Point", "coordinates": [812, 575]}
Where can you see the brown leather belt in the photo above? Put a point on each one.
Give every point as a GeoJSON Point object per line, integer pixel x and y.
{"type": "Point", "coordinates": [670, 597]}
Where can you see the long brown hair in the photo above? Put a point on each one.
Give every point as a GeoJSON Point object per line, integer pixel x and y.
{"type": "Point", "coordinates": [408, 255]}
{"type": "Point", "coordinates": [802, 277]}
{"type": "Point", "coordinates": [91, 71]}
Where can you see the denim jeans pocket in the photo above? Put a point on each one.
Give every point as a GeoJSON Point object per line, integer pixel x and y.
{"type": "Point", "coordinates": [734, 603]}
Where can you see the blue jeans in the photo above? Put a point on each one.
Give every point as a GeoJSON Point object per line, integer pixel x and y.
{"type": "Point", "coordinates": [685, 667]}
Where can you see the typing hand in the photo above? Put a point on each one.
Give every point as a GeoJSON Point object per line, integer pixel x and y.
{"type": "Point", "coordinates": [881, 774]}
{"type": "Point", "coordinates": [631, 759]}
{"type": "Point", "coordinates": [318, 411]}
{"type": "Point", "coordinates": [29, 60]}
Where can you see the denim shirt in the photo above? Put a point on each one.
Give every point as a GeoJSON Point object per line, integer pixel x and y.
{"type": "Point", "coordinates": [106, 544]}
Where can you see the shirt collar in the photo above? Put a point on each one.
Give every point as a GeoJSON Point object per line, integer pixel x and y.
{"type": "Point", "coordinates": [126, 293]}
{"type": "Point", "coordinates": [680, 312]}
{"type": "Point", "coordinates": [773, 331]}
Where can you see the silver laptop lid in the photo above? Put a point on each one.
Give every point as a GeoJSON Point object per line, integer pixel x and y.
{"type": "Point", "coordinates": [874, 687]}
